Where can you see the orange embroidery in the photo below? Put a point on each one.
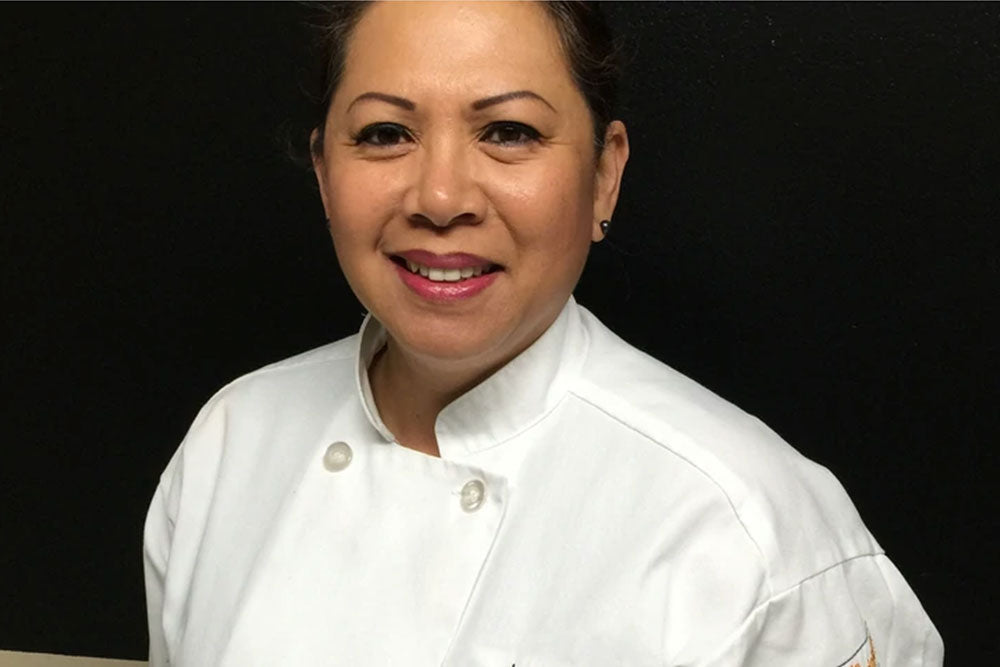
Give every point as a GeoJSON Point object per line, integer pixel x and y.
{"type": "Point", "coordinates": [872, 662]}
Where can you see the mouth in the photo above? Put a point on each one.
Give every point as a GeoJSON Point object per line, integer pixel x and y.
{"type": "Point", "coordinates": [447, 268]}
{"type": "Point", "coordinates": [445, 280]}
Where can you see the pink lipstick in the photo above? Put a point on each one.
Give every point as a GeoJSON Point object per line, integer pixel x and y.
{"type": "Point", "coordinates": [445, 278]}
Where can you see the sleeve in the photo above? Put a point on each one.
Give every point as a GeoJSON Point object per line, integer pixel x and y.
{"type": "Point", "coordinates": [858, 613]}
{"type": "Point", "coordinates": [157, 538]}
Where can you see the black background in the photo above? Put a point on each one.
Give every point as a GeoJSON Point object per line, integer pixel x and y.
{"type": "Point", "coordinates": [808, 226]}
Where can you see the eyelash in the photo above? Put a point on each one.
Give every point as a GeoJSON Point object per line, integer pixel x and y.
{"type": "Point", "coordinates": [368, 132]}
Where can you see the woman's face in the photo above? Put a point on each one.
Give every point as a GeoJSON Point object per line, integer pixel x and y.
{"type": "Point", "coordinates": [457, 143]}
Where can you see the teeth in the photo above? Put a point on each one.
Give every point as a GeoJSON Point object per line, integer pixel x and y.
{"type": "Point", "coordinates": [445, 275]}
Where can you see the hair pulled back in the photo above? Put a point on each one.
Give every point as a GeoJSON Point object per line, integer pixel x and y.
{"type": "Point", "coordinates": [586, 40]}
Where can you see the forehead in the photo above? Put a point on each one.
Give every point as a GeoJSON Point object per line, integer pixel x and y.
{"type": "Point", "coordinates": [476, 49]}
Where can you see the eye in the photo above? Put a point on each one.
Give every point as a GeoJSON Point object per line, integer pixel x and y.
{"type": "Point", "coordinates": [381, 134]}
{"type": "Point", "coordinates": [510, 133]}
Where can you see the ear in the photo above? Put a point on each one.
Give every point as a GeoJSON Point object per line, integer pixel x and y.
{"type": "Point", "coordinates": [608, 178]}
{"type": "Point", "coordinates": [319, 167]}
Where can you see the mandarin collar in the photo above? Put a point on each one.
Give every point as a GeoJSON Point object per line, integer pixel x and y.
{"type": "Point", "coordinates": [503, 405]}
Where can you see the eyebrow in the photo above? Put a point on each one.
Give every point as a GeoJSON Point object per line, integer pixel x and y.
{"type": "Point", "coordinates": [400, 102]}
{"type": "Point", "coordinates": [478, 105]}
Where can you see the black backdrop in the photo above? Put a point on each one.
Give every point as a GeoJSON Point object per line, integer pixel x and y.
{"type": "Point", "coordinates": [808, 226]}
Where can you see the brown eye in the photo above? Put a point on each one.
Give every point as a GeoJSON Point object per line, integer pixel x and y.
{"type": "Point", "coordinates": [381, 134]}
{"type": "Point", "coordinates": [509, 133]}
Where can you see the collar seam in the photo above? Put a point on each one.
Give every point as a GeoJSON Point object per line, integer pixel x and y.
{"type": "Point", "coordinates": [573, 373]}
{"type": "Point", "coordinates": [527, 427]}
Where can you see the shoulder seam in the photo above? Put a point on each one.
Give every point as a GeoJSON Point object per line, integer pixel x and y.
{"type": "Point", "coordinates": [773, 598]}
{"type": "Point", "coordinates": [821, 572]}
{"type": "Point", "coordinates": [715, 483]}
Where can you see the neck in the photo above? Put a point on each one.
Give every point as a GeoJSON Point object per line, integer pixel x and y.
{"type": "Point", "coordinates": [410, 391]}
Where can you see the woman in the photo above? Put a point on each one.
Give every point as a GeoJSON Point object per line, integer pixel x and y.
{"type": "Point", "coordinates": [484, 474]}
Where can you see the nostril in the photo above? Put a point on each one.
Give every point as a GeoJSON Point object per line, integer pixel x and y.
{"type": "Point", "coordinates": [444, 221]}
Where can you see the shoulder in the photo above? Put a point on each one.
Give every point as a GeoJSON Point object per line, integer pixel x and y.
{"type": "Point", "coordinates": [261, 423]}
{"type": "Point", "coordinates": [312, 375]}
{"type": "Point", "coordinates": [283, 402]}
{"type": "Point", "coordinates": [794, 510]}
{"type": "Point", "coordinates": [300, 369]}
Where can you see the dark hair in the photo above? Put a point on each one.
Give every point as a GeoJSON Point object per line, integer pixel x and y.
{"type": "Point", "coordinates": [586, 38]}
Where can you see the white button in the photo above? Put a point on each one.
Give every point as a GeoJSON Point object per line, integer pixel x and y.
{"type": "Point", "coordinates": [473, 495]}
{"type": "Point", "coordinates": [338, 456]}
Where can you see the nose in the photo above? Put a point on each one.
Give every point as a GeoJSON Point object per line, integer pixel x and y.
{"type": "Point", "coordinates": [444, 190]}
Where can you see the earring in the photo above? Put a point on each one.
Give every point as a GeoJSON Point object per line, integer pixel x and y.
{"type": "Point", "coordinates": [605, 225]}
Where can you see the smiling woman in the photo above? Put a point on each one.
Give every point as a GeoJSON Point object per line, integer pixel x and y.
{"type": "Point", "coordinates": [485, 474]}
{"type": "Point", "coordinates": [473, 154]}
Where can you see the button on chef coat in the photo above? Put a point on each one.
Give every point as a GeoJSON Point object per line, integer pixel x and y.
{"type": "Point", "coordinates": [591, 506]}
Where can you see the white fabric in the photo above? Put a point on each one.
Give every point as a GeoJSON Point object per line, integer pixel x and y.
{"type": "Point", "coordinates": [631, 517]}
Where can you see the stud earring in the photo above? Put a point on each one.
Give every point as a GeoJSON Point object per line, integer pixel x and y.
{"type": "Point", "coordinates": [605, 225]}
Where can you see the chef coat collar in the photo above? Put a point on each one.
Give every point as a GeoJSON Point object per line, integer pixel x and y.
{"type": "Point", "coordinates": [511, 400]}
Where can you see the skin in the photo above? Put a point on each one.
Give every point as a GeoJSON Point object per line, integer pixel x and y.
{"type": "Point", "coordinates": [450, 175]}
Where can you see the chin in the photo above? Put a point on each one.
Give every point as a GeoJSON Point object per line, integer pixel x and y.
{"type": "Point", "coordinates": [452, 343]}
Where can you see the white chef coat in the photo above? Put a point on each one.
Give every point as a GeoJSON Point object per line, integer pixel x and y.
{"type": "Point", "coordinates": [591, 506]}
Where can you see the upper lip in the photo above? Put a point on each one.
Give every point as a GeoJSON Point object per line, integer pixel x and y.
{"type": "Point", "coordinates": [451, 260]}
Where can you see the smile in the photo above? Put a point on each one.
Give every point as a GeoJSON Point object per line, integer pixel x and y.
{"type": "Point", "coordinates": [448, 275]}
{"type": "Point", "coordinates": [449, 268]}
{"type": "Point", "coordinates": [445, 278]}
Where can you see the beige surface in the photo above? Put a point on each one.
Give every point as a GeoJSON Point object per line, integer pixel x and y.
{"type": "Point", "coordinates": [15, 659]}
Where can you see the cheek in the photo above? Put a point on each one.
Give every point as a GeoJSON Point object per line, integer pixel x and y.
{"type": "Point", "coordinates": [548, 211]}
{"type": "Point", "coordinates": [361, 200]}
